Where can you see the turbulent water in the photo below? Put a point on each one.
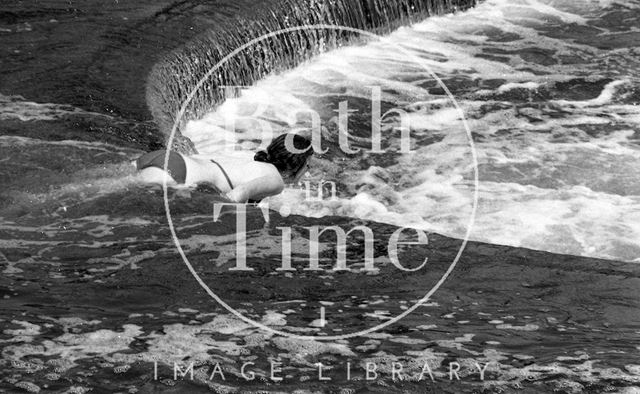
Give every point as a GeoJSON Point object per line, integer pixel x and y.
{"type": "Point", "coordinates": [94, 293]}
{"type": "Point", "coordinates": [550, 93]}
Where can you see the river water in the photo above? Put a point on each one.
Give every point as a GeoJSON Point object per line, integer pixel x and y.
{"type": "Point", "coordinates": [94, 291]}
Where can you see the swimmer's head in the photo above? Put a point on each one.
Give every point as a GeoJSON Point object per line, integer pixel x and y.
{"type": "Point", "coordinates": [289, 153]}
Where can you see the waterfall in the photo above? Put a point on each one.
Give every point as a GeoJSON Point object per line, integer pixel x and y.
{"type": "Point", "coordinates": [175, 76]}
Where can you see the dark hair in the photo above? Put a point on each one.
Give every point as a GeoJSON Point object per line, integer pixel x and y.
{"type": "Point", "coordinates": [281, 157]}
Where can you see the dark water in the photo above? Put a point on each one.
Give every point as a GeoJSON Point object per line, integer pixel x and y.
{"type": "Point", "coordinates": [94, 290]}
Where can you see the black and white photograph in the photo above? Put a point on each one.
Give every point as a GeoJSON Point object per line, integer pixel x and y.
{"type": "Point", "coordinates": [320, 196]}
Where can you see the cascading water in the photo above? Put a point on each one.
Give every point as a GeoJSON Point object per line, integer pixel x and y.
{"type": "Point", "coordinates": [177, 74]}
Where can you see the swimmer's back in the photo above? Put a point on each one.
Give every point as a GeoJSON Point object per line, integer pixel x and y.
{"type": "Point", "coordinates": [229, 172]}
{"type": "Point", "coordinates": [239, 178]}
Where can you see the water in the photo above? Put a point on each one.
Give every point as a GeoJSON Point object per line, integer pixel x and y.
{"type": "Point", "coordinates": [94, 293]}
{"type": "Point", "coordinates": [175, 76]}
{"type": "Point", "coordinates": [550, 91]}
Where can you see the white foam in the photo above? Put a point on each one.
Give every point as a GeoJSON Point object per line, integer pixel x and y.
{"type": "Point", "coordinates": [69, 348]}
{"type": "Point", "coordinates": [25, 334]}
{"type": "Point", "coordinates": [518, 85]}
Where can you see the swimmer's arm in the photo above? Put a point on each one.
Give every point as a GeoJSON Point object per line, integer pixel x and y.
{"type": "Point", "coordinates": [257, 189]}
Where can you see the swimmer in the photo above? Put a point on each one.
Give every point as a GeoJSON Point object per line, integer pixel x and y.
{"type": "Point", "coordinates": [236, 178]}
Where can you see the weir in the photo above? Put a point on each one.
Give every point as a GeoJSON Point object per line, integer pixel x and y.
{"type": "Point", "coordinates": [174, 77]}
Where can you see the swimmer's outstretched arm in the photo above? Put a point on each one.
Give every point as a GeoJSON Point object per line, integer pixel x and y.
{"type": "Point", "coordinates": [256, 189]}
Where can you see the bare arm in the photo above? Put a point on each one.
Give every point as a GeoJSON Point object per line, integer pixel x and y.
{"type": "Point", "coordinates": [257, 189]}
